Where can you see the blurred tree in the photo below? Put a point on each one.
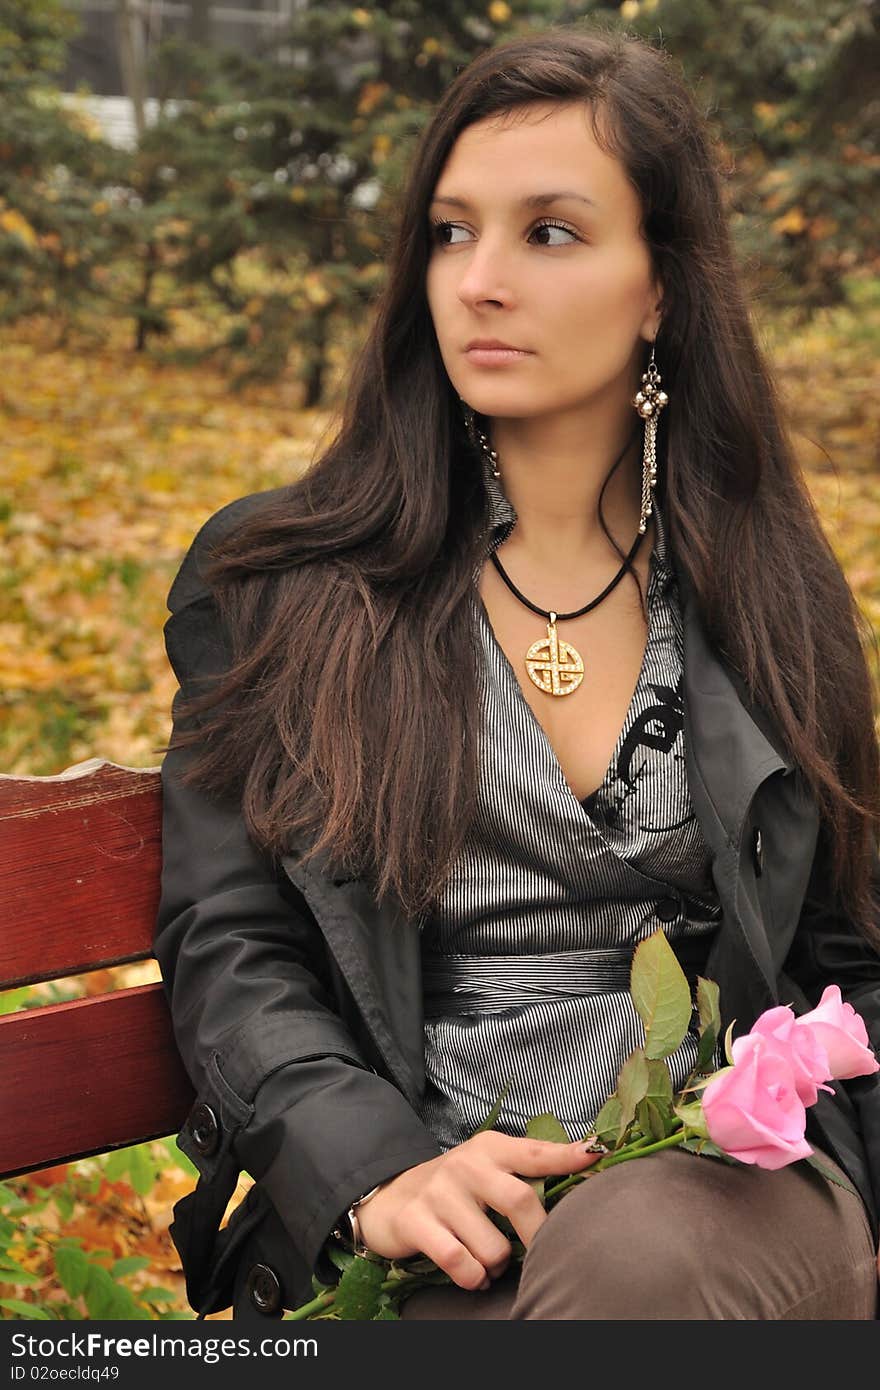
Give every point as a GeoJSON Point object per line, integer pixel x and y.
{"type": "Point", "coordinates": [63, 206]}
{"type": "Point", "coordinates": [791, 89]}
{"type": "Point", "coordinates": [298, 150]}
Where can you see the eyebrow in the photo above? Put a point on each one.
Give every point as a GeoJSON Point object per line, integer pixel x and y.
{"type": "Point", "coordinates": [533, 200]}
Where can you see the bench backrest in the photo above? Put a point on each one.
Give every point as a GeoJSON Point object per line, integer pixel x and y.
{"type": "Point", "coordinates": [80, 856]}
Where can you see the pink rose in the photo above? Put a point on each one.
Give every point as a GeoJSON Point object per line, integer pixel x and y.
{"type": "Point", "coordinates": [807, 1056]}
{"type": "Point", "coordinates": [842, 1032]}
{"type": "Point", "coordinates": [752, 1109]}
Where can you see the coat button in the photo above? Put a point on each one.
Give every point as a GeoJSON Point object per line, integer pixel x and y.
{"type": "Point", "coordinates": [667, 909]}
{"type": "Point", "coordinates": [758, 851]}
{"type": "Point", "coordinates": [264, 1290]}
{"type": "Point", "coordinates": [205, 1129]}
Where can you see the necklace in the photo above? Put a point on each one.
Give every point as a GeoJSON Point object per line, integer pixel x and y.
{"type": "Point", "coordinates": [555, 666]}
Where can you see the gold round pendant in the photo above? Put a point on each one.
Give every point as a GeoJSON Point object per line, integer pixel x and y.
{"type": "Point", "coordinates": [553, 665]}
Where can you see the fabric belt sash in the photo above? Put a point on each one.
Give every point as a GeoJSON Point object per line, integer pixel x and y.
{"type": "Point", "coordinates": [466, 984]}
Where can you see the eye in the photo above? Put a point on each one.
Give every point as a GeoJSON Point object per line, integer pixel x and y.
{"type": "Point", "coordinates": [440, 227]}
{"type": "Point", "coordinates": [548, 226]}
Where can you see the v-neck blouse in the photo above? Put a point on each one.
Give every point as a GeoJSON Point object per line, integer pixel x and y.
{"type": "Point", "coordinates": [526, 955]}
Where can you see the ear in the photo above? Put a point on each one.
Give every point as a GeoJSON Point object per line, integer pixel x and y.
{"type": "Point", "coordinates": [654, 316]}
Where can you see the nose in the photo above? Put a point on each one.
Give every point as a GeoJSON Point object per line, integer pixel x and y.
{"type": "Point", "coordinates": [485, 278]}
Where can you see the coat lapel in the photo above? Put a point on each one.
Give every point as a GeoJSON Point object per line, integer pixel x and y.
{"type": "Point", "coordinates": [731, 749]}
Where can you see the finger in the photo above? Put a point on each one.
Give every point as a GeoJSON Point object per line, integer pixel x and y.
{"type": "Point", "coordinates": [478, 1233]}
{"type": "Point", "coordinates": [520, 1203]}
{"type": "Point", "coordinates": [540, 1158]}
{"type": "Point", "coordinates": [450, 1254]}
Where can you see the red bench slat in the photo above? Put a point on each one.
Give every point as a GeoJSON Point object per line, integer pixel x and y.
{"type": "Point", "coordinates": [80, 857]}
{"type": "Point", "coordinates": [88, 1076]}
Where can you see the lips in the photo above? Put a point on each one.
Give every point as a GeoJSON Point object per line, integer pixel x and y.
{"type": "Point", "coordinates": [491, 344]}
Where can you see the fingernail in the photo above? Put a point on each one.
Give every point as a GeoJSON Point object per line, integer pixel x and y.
{"type": "Point", "coordinates": [486, 1284]}
{"type": "Point", "coordinates": [594, 1146]}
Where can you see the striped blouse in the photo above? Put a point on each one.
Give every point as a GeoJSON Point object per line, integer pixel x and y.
{"type": "Point", "coordinates": [526, 954]}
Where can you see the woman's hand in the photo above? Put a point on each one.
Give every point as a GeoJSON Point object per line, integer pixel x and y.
{"type": "Point", "coordinates": [438, 1208]}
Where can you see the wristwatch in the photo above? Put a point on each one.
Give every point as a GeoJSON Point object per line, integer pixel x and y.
{"type": "Point", "coordinates": [353, 1237]}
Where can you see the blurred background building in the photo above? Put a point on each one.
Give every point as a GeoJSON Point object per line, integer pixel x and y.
{"type": "Point", "coordinates": [111, 55]}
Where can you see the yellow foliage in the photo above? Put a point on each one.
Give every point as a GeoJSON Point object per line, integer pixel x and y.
{"type": "Point", "coordinates": [793, 222]}
{"type": "Point", "coordinates": [12, 221]}
{"type": "Point", "coordinates": [499, 12]}
{"type": "Point", "coordinates": [316, 291]}
{"type": "Point", "coordinates": [381, 148]}
{"type": "Point", "coordinates": [371, 95]}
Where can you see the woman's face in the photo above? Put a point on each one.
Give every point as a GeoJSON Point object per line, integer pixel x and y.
{"type": "Point", "coordinates": [569, 281]}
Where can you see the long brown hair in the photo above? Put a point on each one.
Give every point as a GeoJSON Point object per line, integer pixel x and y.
{"type": "Point", "coordinates": [348, 719]}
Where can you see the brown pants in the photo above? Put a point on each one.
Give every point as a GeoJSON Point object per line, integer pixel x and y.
{"type": "Point", "coordinates": [676, 1236]}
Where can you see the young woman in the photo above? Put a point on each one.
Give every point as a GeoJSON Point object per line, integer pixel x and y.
{"type": "Point", "coordinates": [547, 650]}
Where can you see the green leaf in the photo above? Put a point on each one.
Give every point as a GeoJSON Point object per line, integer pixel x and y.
{"type": "Point", "coordinates": [357, 1295]}
{"type": "Point", "coordinates": [156, 1294]}
{"type": "Point", "coordinates": [692, 1118]}
{"type": "Point", "coordinates": [65, 1202]}
{"type": "Point", "coordinates": [179, 1158]}
{"type": "Point", "coordinates": [707, 1149]}
{"type": "Point", "coordinates": [12, 1274]}
{"type": "Point", "coordinates": [116, 1165]}
{"type": "Point", "coordinates": [659, 1084]}
{"type": "Point", "coordinates": [386, 1313]}
{"type": "Point", "coordinates": [546, 1127]}
{"type": "Point", "coordinates": [129, 1265]}
{"type": "Point", "coordinates": [829, 1173]}
{"type": "Point", "coordinates": [72, 1267]}
{"type": "Point", "coordinates": [661, 994]}
{"type": "Point", "coordinates": [12, 999]}
{"type": "Point", "coordinates": [142, 1169]}
{"type": "Point", "coordinates": [709, 1004]}
{"type": "Point", "coordinates": [107, 1299]}
{"type": "Point", "coordinates": [341, 1258]}
{"type": "Point", "coordinates": [25, 1310]}
{"type": "Point", "coordinates": [651, 1120]}
{"type": "Point", "coordinates": [710, 1021]}
{"type": "Point", "coordinates": [632, 1085]}
{"type": "Point", "coordinates": [706, 1048]}
{"type": "Point", "coordinates": [607, 1125]}
{"type": "Point", "coordinates": [492, 1118]}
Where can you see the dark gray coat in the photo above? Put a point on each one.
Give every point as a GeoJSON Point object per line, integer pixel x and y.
{"type": "Point", "coordinates": [296, 1000]}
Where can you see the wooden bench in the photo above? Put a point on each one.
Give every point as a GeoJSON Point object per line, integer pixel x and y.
{"type": "Point", "coordinates": [80, 856]}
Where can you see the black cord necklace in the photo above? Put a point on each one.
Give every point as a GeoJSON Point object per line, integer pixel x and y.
{"type": "Point", "coordinates": [554, 666]}
{"type": "Point", "coordinates": [565, 617]}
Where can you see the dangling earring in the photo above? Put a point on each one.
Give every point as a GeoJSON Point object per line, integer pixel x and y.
{"type": "Point", "coordinates": [477, 437]}
{"type": "Point", "coordinates": [649, 402]}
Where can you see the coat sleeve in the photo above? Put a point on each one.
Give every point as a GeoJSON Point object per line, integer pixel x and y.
{"type": "Point", "coordinates": [828, 949]}
{"type": "Point", "coordinates": [290, 1098]}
